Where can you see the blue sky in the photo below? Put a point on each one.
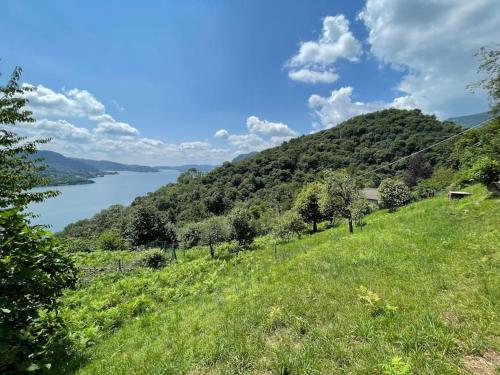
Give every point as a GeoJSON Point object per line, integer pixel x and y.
{"type": "Point", "coordinates": [153, 81]}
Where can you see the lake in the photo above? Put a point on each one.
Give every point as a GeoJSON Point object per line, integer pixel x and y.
{"type": "Point", "coordinates": [78, 202]}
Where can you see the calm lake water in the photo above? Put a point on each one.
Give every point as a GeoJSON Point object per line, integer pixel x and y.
{"type": "Point", "coordinates": [83, 201]}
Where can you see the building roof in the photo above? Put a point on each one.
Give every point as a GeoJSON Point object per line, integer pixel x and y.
{"type": "Point", "coordinates": [370, 193]}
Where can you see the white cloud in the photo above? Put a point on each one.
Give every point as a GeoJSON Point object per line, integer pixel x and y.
{"type": "Point", "coordinates": [257, 126]}
{"type": "Point", "coordinates": [221, 133]}
{"type": "Point", "coordinates": [60, 129]}
{"type": "Point", "coordinates": [314, 60]}
{"type": "Point", "coordinates": [103, 137]}
{"type": "Point", "coordinates": [339, 106]}
{"type": "Point", "coordinates": [116, 129]}
{"type": "Point", "coordinates": [312, 76]}
{"type": "Point", "coordinates": [262, 134]}
{"type": "Point", "coordinates": [434, 42]}
{"type": "Point", "coordinates": [73, 103]}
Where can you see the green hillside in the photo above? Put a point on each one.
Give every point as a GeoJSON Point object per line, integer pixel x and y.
{"type": "Point", "coordinates": [420, 284]}
{"type": "Point", "coordinates": [273, 177]}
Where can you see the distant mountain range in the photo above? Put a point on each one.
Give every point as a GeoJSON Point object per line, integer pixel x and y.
{"type": "Point", "coordinates": [471, 120]}
{"type": "Point", "coordinates": [63, 170]}
{"type": "Point", "coordinates": [185, 167]}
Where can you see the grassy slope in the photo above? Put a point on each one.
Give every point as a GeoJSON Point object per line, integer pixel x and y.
{"type": "Point", "coordinates": [437, 261]}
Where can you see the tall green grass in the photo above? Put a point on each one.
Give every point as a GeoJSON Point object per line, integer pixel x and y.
{"type": "Point", "coordinates": [420, 284]}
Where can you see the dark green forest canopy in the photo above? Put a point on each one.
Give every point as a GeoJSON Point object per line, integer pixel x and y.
{"type": "Point", "coordinates": [273, 177]}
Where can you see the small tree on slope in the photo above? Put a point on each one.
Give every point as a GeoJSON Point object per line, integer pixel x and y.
{"type": "Point", "coordinates": [393, 194]}
{"type": "Point", "coordinates": [307, 204]}
{"type": "Point", "coordinates": [340, 188]}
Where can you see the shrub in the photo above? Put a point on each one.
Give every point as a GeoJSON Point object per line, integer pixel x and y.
{"type": "Point", "coordinates": [79, 244]}
{"type": "Point", "coordinates": [485, 170]}
{"type": "Point", "coordinates": [155, 260]}
{"type": "Point", "coordinates": [393, 193]}
{"type": "Point", "coordinates": [111, 240]}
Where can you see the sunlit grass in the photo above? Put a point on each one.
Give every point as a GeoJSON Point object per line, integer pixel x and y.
{"type": "Point", "coordinates": [421, 284]}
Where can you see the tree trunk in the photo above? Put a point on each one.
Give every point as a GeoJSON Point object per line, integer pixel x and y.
{"type": "Point", "coordinates": [351, 230]}
{"type": "Point", "coordinates": [212, 252]}
{"type": "Point", "coordinates": [315, 227]}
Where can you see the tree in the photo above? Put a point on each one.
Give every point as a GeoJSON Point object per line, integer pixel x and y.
{"type": "Point", "coordinates": [360, 208]}
{"type": "Point", "coordinates": [307, 204]}
{"type": "Point", "coordinates": [242, 228]}
{"type": "Point", "coordinates": [34, 269]}
{"type": "Point", "coordinates": [111, 240]}
{"type": "Point", "coordinates": [491, 67]}
{"type": "Point", "coordinates": [147, 226]}
{"type": "Point", "coordinates": [393, 193]}
{"type": "Point", "coordinates": [288, 224]}
{"type": "Point", "coordinates": [485, 170]}
{"type": "Point", "coordinates": [340, 188]}
{"type": "Point", "coordinates": [19, 173]}
{"type": "Point", "coordinates": [214, 231]}
{"type": "Point", "coordinates": [189, 235]}
{"type": "Point", "coordinates": [418, 168]}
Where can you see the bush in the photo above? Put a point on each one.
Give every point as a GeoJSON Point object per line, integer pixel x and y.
{"type": "Point", "coordinates": [111, 240]}
{"type": "Point", "coordinates": [393, 193]}
{"type": "Point", "coordinates": [155, 260]}
{"type": "Point", "coordinates": [79, 244]}
{"type": "Point", "coordinates": [33, 273]}
{"type": "Point", "coordinates": [485, 170]}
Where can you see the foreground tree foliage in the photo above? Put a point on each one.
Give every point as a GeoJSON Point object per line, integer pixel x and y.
{"type": "Point", "coordinates": [18, 172]}
{"type": "Point", "coordinates": [33, 267]}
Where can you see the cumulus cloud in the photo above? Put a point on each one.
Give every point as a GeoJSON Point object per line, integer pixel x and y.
{"type": "Point", "coordinates": [339, 106]}
{"type": "Point", "coordinates": [103, 137]}
{"type": "Point", "coordinates": [221, 133]}
{"type": "Point", "coordinates": [73, 103]}
{"type": "Point", "coordinates": [116, 129]}
{"type": "Point", "coordinates": [257, 126]}
{"type": "Point", "coordinates": [262, 134]}
{"type": "Point", "coordinates": [434, 42]}
{"type": "Point", "coordinates": [312, 76]}
{"type": "Point", "coordinates": [314, 61]}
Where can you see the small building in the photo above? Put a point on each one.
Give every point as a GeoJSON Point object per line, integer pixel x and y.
{"type": "Point", "coordinates": [370, 194]}
{"type": "Point", "coordinates": [458, 194]}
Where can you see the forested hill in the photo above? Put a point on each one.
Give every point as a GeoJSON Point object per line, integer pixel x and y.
{"type": "Point", "coordinates": [62, 170]}
{"type": "Point", "coordinates": [273, 177]}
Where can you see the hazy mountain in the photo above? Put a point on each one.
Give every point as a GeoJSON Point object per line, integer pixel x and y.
{"type": "Point", "coordinates": [62, 170]}
{"type": "Point", "coordinates": [106, 165]}
{"type": "Point", "coordinates": [471, 120]}
{"type": "Point", "coordinates": [185, 167]}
